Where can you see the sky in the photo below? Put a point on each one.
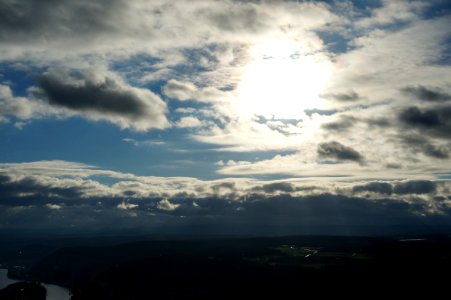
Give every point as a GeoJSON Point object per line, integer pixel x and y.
{"type": "Point", "coordinates": [225, 117]}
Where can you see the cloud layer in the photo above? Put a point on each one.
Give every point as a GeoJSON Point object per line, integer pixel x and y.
{"type": "Point", "coordinates": [50, 194]}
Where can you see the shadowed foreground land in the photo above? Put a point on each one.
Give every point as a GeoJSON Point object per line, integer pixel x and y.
{"type": "Point", "coordinates": [23, 291]}
{"type": "Point", "coordinates": [245, 267]}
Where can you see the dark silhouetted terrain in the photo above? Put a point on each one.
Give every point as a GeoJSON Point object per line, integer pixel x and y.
{"type": "Point", "coordinates": [23, 291]}
{"type": "Point", "coordinates": [229, 268]}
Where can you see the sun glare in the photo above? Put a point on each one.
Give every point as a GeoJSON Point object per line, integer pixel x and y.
{"type": "Point", "coordinates": [281, 82]}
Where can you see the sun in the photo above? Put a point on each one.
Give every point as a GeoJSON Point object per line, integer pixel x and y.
{"type": "Point", "coordinates": [281, 81]}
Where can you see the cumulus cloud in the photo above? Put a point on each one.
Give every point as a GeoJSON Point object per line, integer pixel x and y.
{"type": "Point", "coordinates": [276, 187]}
{"type": "Point", "coordinates": [415, 187]}
{"type": "Point", "coordinates": [392, 11]}
{"type": "Point", "coordinates": [53, 206]}
{"type": "Point", "coordinates": [95, 94]}
{"type": "Point", "coordinates": [418, 143]}
{"type": "Point", "coordinates": [180, 90]}
{"type": "Point", "coordinates": [376, 187]}
{"type": "Point", "coordinates": [19, 107]}
{"type": "Point", "coordinates": [125, 205]}
{"type": "Point", "coordinates": [426, 94]}
{"type": "Point", "coordinates": [435, 121]}
{"type": "Point", "coordinates": [338, 151]}
{"type": "Point", "coordinates": [166, 205]}
{"type": "Point", "coordinates": [400, 188]}
{"type": "Point", "coordinates": [102, 95]}
{"type": "Point", "coordinates": [342, 124]}
{"type": "Point", "coordinates": [188, 122]}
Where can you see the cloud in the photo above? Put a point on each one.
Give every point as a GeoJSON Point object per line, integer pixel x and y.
{"type": "Point", "coordinates": [65, 202]}
{"type": "Point", "coordinates": [53, 206]}
{"type": "Point", "coordinates": [166, 205]}
{"type": "Point", "coordinates": [240, 134]}
{"type": "Point", "coordinates": [58, 168]}
{"type": "Point", "coordinates": [180, 90]}
{"type": "Point", "coordinates": [271, 188]}
{"type": "Point", "coordinates": [102, 95]}
{"type": "Point", "coordinates": [415, 187]}
{"type": "Point", "coordinates": [119, 27]}
{"type": "Point", "coordinates": [125, 206]}
{"type": "Point", "coordinates": [426, 94]}
{"type": "Point", "coordinates": [281, 214]}
{"type": "Point", "coordinates": [393, 11]}
{"type": "Point", "coordinates": [19, 107]}
{"type": "Point", "coordinates": [188, 122]}
{"type": "Point", "coordinates": [418, 143]}
{"type": "Point", "coordinates": [146, 143]}
{"type": "Point", "coordinates": [435, 121]}
{"type": "Point", "coordinates": [376, 187]}
{"type": "Point", "coordinates": [338, 151]}
{"type": "Point", "coordinates": [344, 123]}
{"type": "Point", "coordinates": [26, 186]}
{"type": "Point", "coordinates": [223, 187]}
{"type": "Point", "coordinates": [401, 188]}
{"type": "Point", "coordinates": [416, 51]}
{"type": "Point", "coordinates": [351, 96]}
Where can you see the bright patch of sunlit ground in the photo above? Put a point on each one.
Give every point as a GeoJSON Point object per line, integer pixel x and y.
{"type": "Point", "coordinates": [281, 81]}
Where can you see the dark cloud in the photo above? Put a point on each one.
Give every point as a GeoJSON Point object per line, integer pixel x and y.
{"type": "Point", "coordinates": [434, 121]}
{"type": "Point", "coordinates": [325, 213]}
{"type": "Point", "coordinates": [102, 95]}
{"type": "Point", "coordinates": [393, 166]}
{"type": "Point", "coordinates": [351, 96]}
{"type": "Point", "coordinates": [69, 204]}
{"type": "Point", "coordinates": [415, 187]}
{"type": "Point", "coordinates": [378, 122]}
{"type": "Point", "coordinates": [436, 151]}
{"type": "Point", "coordinates": [417, 143]}
{"type": "Point", "coordinates": [338, 151]}
{"type": "Point", "coordinates": [66, 27]}
{"type": "Point", "coordinates": [426, 94]}
{"type": "Point", "coordinates": [27, 20]}
{"type": "Point", "coordinates": [30, 186]}
{"type": "Point", "coordinates": [322, 112]}
{"type": "Point", "coordinates": [223, 186]}
{"type": "Point", "coordinates": [343, 124]}
{"type": "Point", "coordinates": [376, 187]}
{"type": "Point", "coordinates": [246, 19]}
{"type": "Point", "coordinates": [274, 187]}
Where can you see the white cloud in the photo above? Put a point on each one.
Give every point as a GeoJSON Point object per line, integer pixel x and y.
{"type": "Point", "coordinates": [125, 28]}
{"type": "Point", "coordinates": [386, 61]}
{"type": "Point", "coordinates": [392, 11]}
{"type": "Point", "coordinates": [125, 206]}
{"type": "Point", "coordinates": [19, 107]}
{"type": "Point", "coordinates": [53, 206]}
{"type": "Point", "coordinates": [165, 204]}
{"type": "Point", "coordinates": [148, 143]}
{"type": "Point", "coordinates": [188, 122]}
{"type": "Point", "coordinates": [180, 90]}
